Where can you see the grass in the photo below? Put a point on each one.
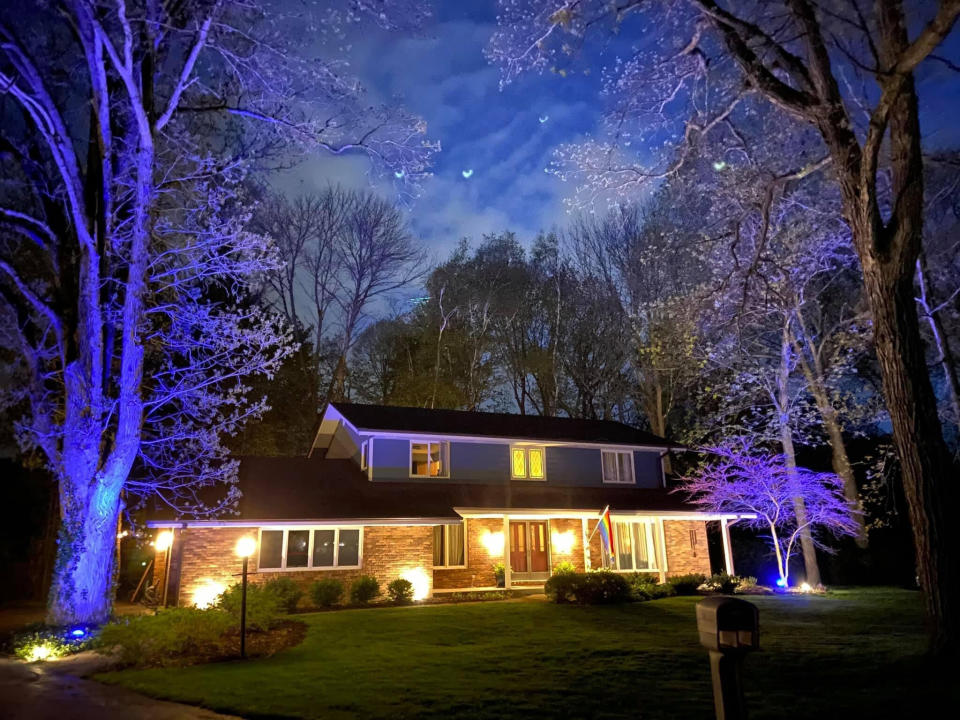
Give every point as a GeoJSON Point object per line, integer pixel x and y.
{"type": "Point", "coordinates": [854, 653]}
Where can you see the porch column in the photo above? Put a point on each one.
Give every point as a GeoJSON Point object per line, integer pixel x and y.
{"type": "Point", "coordinates": [506, 552]}
{"type": "Point", "coordinates": [727, 553]}
{"type": "Point", "coordinates": [586, 544]}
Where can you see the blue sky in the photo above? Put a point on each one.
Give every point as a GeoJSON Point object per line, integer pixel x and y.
{"type": "Point", "coordinates": [444, 77]}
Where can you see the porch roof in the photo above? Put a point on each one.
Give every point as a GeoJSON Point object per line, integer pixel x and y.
{"type": "Point", "coordinates": [282, 489]}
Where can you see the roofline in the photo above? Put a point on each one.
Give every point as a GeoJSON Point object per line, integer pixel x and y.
{"type": "Point", "coordinates": [332, 522]}
{"type": "Point", "coordinates": [514, 438]}
{"type": "Point", "coordinates": [595, 513]}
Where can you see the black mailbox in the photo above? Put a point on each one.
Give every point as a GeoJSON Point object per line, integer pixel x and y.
{"type": "Point", "coordinates": [728, 624]}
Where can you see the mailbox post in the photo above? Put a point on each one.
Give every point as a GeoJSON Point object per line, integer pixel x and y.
{"type": "Point", "coordinates": [729, 628]}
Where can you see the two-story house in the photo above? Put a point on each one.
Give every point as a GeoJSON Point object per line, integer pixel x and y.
{"type": "Point", "coordinates": [440, 497]}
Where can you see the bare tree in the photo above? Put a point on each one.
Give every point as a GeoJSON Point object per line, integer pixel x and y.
{"type": "Point", "coordinates": [787, 54]}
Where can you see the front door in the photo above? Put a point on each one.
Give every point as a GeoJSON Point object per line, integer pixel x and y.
{"type": "Point", "coordinates": [528, 550]}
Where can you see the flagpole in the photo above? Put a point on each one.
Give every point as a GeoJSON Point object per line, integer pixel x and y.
{"type": "Point", "coordinates": [602, 513]}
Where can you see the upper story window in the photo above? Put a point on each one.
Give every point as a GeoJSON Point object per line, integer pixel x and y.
{"type": "Point", "coordinates": [309, 548]}
{"type": "Point", "coordinates": [527, 463]}
{"type": "Point", "coordinates": [617, 466]}
{"type": "Point", "coordinates": [429, 459]}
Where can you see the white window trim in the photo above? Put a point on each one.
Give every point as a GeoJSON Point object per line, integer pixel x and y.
{"type": "Point", "coordinates": [651, 527]}
{"type": "Point", "coordinates": [428, 442]}
{"type": "Point", "coordinates": [633, 472]}
{"type": "Point", "coordinates": [364, 454]}
{"type": "Point", "coordinates": [526, 460]}
{"type": "Point", "coordinates": [446, 548]}
{"type": "Point", "coordinates": [310, 568]}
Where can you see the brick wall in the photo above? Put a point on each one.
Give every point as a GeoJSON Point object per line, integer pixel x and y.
{"type": "Point", "coordinates": [210, 561]}
{"type": "Point", "coordinates": [686, 554]}
{"type": "Point", "coordinates": [567, 527]}
{"type": "Point", "coordinates": [480, 561]}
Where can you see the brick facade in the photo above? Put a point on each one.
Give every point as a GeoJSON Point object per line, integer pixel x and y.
{"type": "Point", "coordinates": [686, 545]}
{"type": "Point", "coordinates": [207, 561]}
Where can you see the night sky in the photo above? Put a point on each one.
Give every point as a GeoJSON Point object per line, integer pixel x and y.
{"type": "Point", "coordinates": [443, 76]}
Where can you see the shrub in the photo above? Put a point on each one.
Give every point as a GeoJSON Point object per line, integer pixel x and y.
{"type": "Point", "coordinates": [560, 588]}
{"type": "Point", "coordinates": [264, 607]}
{"type": "Point", "coordinates": [721, 583]}
{"type": "Point", "coordinates": [41, 642]}
{"type": "Point", "coordinates": [564, 568]}
{"type": "Point", "coordinates": [644, 587]}
{"type": "Point", "coordinates": [400, 591]}
{"type": "Point", "coordinates": [500, 573]}
{"type": "Point", "coordinates": [687, 584]}
{"type": "Point", "coordinates": [326, 592]}
{"type": "Point", "coordinates": [286, 590]}
{"type": "Point", "coordinates": [747, 584]}
{"type": "Point", "coordinates": [364, 589]}
{"type": "Point", "coordinates": [590, 588]}
{"type": "Point", "coordinates": [167, 636]}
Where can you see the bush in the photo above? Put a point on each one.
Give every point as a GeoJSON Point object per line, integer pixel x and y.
{"type": "Point", "coordinates": [747, 584]}
{"type": "Point", "coordinates": [41, 642]}
{"type": "Point", "coordinates": [592, 588]}
{"type": "Point", "coordinates": [564, 568]}
{"type": "Point", "coordinates": [644, 587]}
{"type": "Point", "coordinates": [687, 584]}
{"type": "Point", "coordinates": [499, 573]}
{"type": "Point", "coordinates": [400, 591]}
{"type": "Point", "coordinates": [327, 592]}
{"type": "Point", "coordinates": [364, 589]}
{"type": "Point", "coordinates": [560, 588]}
{"type": "Point", "coordinates": [286, 590]}
{"type": "Point", "coordinates": [162, 639]}
{"type": "Point", "coordinates": [264, 607]}
{"type": "Point", "coordinates": [721, 583]}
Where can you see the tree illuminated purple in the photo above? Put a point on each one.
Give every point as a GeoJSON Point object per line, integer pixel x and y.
{"type": "Point", "coordinates": [128, 276]}
{"type": "Point", "coordinates": [739, 478]}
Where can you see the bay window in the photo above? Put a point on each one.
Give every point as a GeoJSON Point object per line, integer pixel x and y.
{"type": "Point", "coordinates": [309, 548]}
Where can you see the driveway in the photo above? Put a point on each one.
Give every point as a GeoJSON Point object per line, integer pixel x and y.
{"type": "Point", "coordinates": [54, 691]}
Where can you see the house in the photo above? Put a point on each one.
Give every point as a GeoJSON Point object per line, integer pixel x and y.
{"type": "Point", "coordinates": [440, 497]}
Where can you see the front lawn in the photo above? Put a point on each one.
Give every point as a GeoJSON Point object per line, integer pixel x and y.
{"type": "Point", "coordinates": [848, 654]}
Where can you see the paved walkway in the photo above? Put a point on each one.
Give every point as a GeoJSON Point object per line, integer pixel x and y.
{"type": "Point", "coordinates": [53, 691]}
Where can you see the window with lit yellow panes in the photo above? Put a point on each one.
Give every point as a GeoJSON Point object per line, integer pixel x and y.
{"type": "Point", "coordinates": [527, 463]}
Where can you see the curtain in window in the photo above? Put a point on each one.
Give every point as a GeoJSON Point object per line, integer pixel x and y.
{"type": "Point", "coordinates": [624, 546]}
{"type": "Point", "coordinates": [438, 546]}
{"type": "Point", "coordinates": [609, 467]}
{"type": "Point", "coordinates": [456, 551]}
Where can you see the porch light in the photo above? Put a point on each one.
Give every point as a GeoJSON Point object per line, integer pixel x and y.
{"type": "Point", "coordinates": [246, 546]}
{"type": "Point", "coordinates": [805, 587]}
{"type": "Point", "coordinates": [420, 580]}
{"type": "Point", "coordinates": [493, 542]}
{"type": "Point", "coordinates": [206, 595]}
{"type": "Point", "coordinates": [563, 541]}
{"type": "Point", "coordinates": [164, 541]}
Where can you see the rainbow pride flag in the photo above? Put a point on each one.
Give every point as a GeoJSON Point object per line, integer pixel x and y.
{"type": "Point", "coordinates": [606, 532]}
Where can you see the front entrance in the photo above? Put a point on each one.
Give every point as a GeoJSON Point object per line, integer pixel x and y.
{"type": "Point", "coordinates": [529, 559]}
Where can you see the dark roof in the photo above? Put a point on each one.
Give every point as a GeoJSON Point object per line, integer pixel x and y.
{"type": "Point", "coordinates": [505, 425]}
{"type": "Point", "coordinates": [284, 488]}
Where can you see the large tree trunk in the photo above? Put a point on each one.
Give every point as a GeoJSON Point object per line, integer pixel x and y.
{"type": "Point", "coordinates": [81, 590]}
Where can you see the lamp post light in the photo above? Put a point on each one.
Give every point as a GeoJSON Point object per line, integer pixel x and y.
{"type": "Point", "coordinates": [245, 548]}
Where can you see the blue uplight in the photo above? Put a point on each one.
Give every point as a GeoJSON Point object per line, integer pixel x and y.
{"type": "Point", "coordinates": [78, 632]}
{"type": "Point", "coordinates": [781, 582]}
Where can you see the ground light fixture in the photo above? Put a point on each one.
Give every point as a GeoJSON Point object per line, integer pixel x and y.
{"type": "Point", "coordinates": [246, 546]}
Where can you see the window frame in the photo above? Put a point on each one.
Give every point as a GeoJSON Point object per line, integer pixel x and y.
{"type": "Point", "coordinates": [526, 461]}
{"type": "Point", "coordinates": [655, 550]}
{"type": "Point", "coordinates": [365, 454]}
{"type": "Point", "coordinates": [445, 457]}
{"type": "Point", "coordinates": [614, 451]}
{"type": "Point", "coordinates": [446, 546]}
{"type": "Point", "coordinates": [310, 567]}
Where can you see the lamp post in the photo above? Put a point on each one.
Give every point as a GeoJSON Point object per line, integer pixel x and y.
{"type": "Point", "coordinates": [245, 548]}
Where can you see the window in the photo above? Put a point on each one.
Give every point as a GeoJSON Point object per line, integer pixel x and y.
{"type": "Point", "coordinates": [527, 463]}
{"type": "Point", "coordinates": [617, 466]}
{"type": "Point", "coordinates": [448, 550]}
{"type": "Point", "coordinates": [309, 548]}
{"type": "Point", "coordinates": [429, 459]}
{"type": "Point", "coordinates": [637, 545]}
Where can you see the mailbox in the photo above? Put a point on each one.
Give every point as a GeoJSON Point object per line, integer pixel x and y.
{"type": "Point", "coordinates": [728, 624]}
